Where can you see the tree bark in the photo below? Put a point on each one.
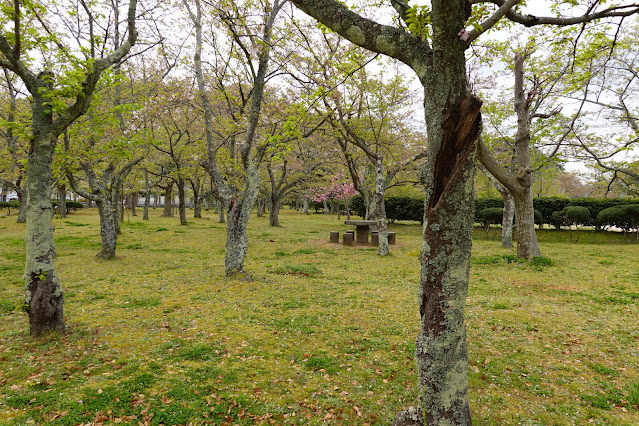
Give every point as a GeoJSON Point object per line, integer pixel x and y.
{"type": "Point", "coordinates": [147, 196]}
{"type": "Point", "coordinates": [62, 200]}
{"type": "Point", "coordinates": [107, 228]}
{"type": "Point", "coordinates": [222, 209]}
{"type": "Point", "coordinates": [236, 237]}
{"type": "Point", "coordinates": [305, 203]}
{"type": "Point", "coordinates": [380, 186]}
{"type": "Point", "coordinates": [274, 214]}
{"type": "Point", "coordinates": [509, 209]}
{"type": "Point", "coordinates": [168, 201]}
{"type": "Point", "coordinates": [134, 203]}
{"type": "Point", "coordinates": [181, 201]}
{"type": "Point", "coordinates": [22, 206]}
{"type": "Point", "coordinates": [507, 220]}
{"type": "Point", "coordinates": [43, 295]}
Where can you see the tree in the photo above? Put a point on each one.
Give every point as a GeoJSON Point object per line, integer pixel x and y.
{"type": "Point", "coordinates": [260, 36]}
{"type": "Point", "coordinates": [433, 44]}
{"type": "Point", "coordinates": [57, 101]}
{"type": "Point", "coordinates": [539, 123]}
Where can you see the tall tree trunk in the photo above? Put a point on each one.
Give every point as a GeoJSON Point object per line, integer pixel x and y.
{"type": "Point", "coordinates": [527, 245]}
{"type": "Point", "coordinates": [236, 238]}
{"type": "Point", "coordinates": [274, 214]}
{"type": "Point", "coordinates": [43, 292]}
{"type": "Point", "coordinates": [181, 201]}
{"type": "Point", "coordinates": [380, 186]}
{"type": "Point", "coordinates": [198, 187]}
{"type": "Point", "coordinates": [62, 200]}
{"type": "Point", "coordinates": [453, 123]}
{"type": "Point", "coordinates": [260, 206]}
{"type": "Point", "coordinates": [168, 201]}
{"type": "Point", "coordinates": [22, 206]}
{"type": "Point", "coordinates": [509, 208]}
{"type": "Point", "coordinates": [147, 196]}
{"type": "Point", "coordinates": [305, 203]}
{"type": "Point", "coordinates": [118, 211]}
{"type": "Point", "coordinates": [222, 209]}
{"type": "Point", "coordinates": [507, 220]}
{"type": "Point", "coordinates": [107, 228]}
{"type": "Point", "coordinates": [134, 203]}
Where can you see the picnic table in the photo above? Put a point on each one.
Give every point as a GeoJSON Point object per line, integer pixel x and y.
{"type": "Point", "coordinates": [361, 229]}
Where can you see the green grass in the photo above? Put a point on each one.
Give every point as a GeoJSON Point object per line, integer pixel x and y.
{"type": "Point", "coordinates": [160, 335]}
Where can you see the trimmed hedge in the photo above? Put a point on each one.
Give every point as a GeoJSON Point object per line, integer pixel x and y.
{"type": "Point", "coordinates": [492, 215]}
{"type": "Point", "coordinates": [624, 216]}
{"type": "Point", "coordinates": [9, 205]}
{"type": "Point", "coordinates": [577, 214]}
{"type": "Point", "coordinates": [409, 208]}
{"type": "Point", "coordinates": [71, 205]}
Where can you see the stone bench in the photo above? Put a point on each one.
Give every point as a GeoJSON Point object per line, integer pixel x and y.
{"type": "Point", "coordinates": [392, 238]}
{"type": "Point", "coordinates": [334, 238]}
{"type": "Point", "coordinates": [347, 238]}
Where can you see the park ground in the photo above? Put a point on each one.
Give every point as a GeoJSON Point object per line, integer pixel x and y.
{"type": "Point", "coordinates": [323, 334]}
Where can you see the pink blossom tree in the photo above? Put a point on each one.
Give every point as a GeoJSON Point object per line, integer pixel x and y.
{"type": "Point", "coordinates": [339, 189]}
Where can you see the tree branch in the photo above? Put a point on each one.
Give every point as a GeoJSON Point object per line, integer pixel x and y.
{"type": "Point", "coordinates": [385, 39]}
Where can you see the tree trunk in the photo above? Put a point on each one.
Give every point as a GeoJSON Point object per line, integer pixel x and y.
{"type": "Point", "coordinates": [62, 200]}
{"type": "Point", "coordinates": [107, 229]}
{"type": "Point", "coordinates": [453, 123]}
{"type": "Point", "coordinates": [22, 206]}
{"type": "Point", "coordinates": [380, 186]}
{"type": "Point", "coordinates": [198, 187]}
{"type": "Point", "coordinates": [222, 208]}
{"type": "Point", "coordinates": [134, 203]}
{"type": "Point", "coordinates": [118, 211]}
{"type": "Point", "coordinates": [274, 214]}
{"type": "Point", "coordinates": [527, 245]}
{"type": "Point", "coordinates": [147, 196]}
{"type": "Point", "coordinates": [305, 204]}
{"type": "Point", "coordinates": [371, 206]}
{"type": "Point", "coordinates": [43, 293]}
{"type": "Point", "coordinates": [260, 207]}
{"type": "Point", "coordinates": [507, 220]}
{"type": "Point", "coordinates": [236, 238]}
{"type": "Point", "coordinates": [181, 201]}
{"type": "Point", "coordinates": [168, 201]}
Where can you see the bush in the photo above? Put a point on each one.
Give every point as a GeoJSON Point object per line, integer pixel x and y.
{"type": "Point", "coordinates": [577, 215]}
{"type": "Point", "coordinates": [548, 210]}
{"type": "Point", "coordinates": [9, 205]}
{"type": "Point", "coordinates": [624, 216]}
{"type": "Point", "coordinates": [71, 205]}
{"type": "Point", "coordinates": [491, 215]}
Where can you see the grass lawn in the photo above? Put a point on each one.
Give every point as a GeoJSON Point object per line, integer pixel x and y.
{"type": "Point", "coordinates": [324, 334]}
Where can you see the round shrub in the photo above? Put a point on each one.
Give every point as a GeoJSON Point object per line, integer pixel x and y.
{"type": "Point", "coordinates": [491, 215]}
{"type": "Point", "coordinates": [577, 214]}
{"type": "Point", "coordinates": [539, 219]}
{"type": "Point", "coordinates": [558, 219]}
{"type": "Point", "coordinates": [624, 216]}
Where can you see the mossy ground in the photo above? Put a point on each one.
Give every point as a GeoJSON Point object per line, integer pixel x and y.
{"type": "Point", "coordinates": [323, 334]}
